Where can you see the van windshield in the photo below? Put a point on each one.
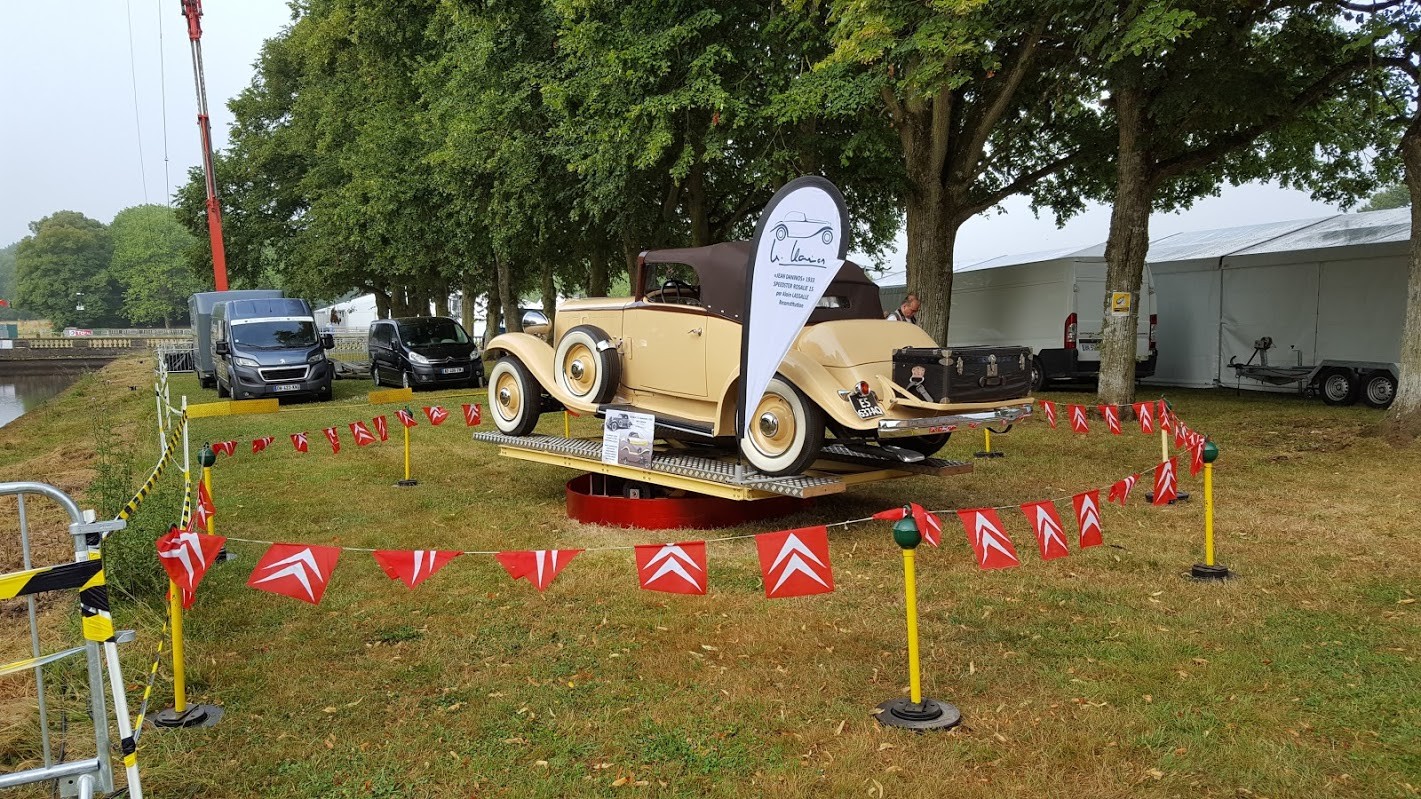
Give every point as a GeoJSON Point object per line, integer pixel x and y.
{"type": "Point", "coordinates": [274, 334]}
{"type": "Point", "coordinates": [432, 331]}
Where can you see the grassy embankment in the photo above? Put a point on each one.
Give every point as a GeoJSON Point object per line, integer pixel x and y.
{"type": "Point", "coordinates": [1102, 674]}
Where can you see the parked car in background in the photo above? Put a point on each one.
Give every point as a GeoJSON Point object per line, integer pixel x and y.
{"type": "Point", "coordinates": [269, 348]}
{"type": "Point", "coordinates": [423, 351]}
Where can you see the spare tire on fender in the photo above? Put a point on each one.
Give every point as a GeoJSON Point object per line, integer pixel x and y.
{"type": "Point", "coordinates": [587, 365]}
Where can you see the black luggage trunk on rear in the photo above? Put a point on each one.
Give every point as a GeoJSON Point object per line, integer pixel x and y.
{"type": "Point", "coordinates": [963, 374]}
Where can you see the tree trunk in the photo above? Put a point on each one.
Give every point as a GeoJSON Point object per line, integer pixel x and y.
{"type": "Point", "coordinates": [513, 319]}
{"type": "Point", "coordinates": [550, 292]}
{"type": "Point", "coordinates": [1126, 249]}
{"type": "Point", "coordinates": [931, 230]}
{"type": "Point", "coordinates": [382, 304]}
{"type": "Point", "coordinates": [632, 251]}
{"type": "Point", "coordinates": [597, 277]}
{"type": "Point", "coordinates": [1405, 414]}
{"type": "Point", "coordinates": [493, 316]}
{"type": "Point", "coordinates": [697, 207]}
{"type": "Point", "coordinates": [441, 299]}
{"type": "Point", "coordinates": [468, 295]}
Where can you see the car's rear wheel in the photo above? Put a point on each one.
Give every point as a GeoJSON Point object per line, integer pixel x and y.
{"type": "Point", "coordinates": [786, 431]}
{"type": "Point", "coordinates": [588, 367]}
{"type": "Point", "coordinates": [514, 397]}
{"type": "Point", "coordinates": [927, 446]}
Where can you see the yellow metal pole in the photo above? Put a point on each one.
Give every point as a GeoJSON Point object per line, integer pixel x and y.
{"type": "Point", "coordinates": [987, 431]}
{"type": "Point", "coordinates": [207, 483]}
{"type": "Point", "coordinates": [1163, 443]}
{"type": "Point", "coordinates": [910, 588]}
{"type": "Point", "coordinates": [407, 453]}
{"type": "Point", "coordinates": [566, 425]}
{"type": "Point", "coordinates": [1208, 514]}
{"type": "Point", "coordinates": [175, 611]}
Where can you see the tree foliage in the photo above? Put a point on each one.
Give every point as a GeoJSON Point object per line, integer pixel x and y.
{"type": "Point", "coordinates": [148, 261]}
{"type": "Point", "coordinates": [63, 275]}
{"type": "Point", "coordinates": [1393, 196]}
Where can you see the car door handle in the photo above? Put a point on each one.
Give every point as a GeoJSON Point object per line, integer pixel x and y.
{"type": "Point", "coordinates": [694, 331]}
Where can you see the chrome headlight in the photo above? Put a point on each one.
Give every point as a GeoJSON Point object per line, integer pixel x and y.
{"type": "Point", "coordinates": [419, 359]}
{"type": "Point", "coordinates": [247, 362]}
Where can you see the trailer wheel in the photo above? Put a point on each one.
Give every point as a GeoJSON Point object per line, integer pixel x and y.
{"type": "Point", "coordinates": [1338, 386]}
{"type": "Point", "coordinates": [1379, 390]}
{"type": "Point", "coordinates": [1038, 375]}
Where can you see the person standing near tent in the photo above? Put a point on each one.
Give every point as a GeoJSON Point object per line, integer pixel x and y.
{"type": "Point", "coordinates": [908, 311]}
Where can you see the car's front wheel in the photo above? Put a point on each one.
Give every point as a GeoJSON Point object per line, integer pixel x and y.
{"type": "Point", "coordinates": [515, 397]}
{"type": "Point", "coordinates": [786, 431]}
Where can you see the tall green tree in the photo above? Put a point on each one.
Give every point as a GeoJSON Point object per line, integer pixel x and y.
{"type": "Point", "coordinates": [149, 247]}
{"type": "Point", "coordinates": [63, 272]}
{"type": "Point", "coordinates": [7, 281]}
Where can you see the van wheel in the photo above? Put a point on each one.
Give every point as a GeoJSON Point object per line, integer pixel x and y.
{"type": "Point", "coordinates": [587, 368]}
{"type": "Point", "coordinates": [375, 375]}
{"type": "Point", "coordinates": [515, 397]}
{"type": "Point", "coordinates": [786, 431]}
{"type": "Point", "coordinates": [1379, 390]}
{"type": "Point", "coordinates": [1038, 375]}
{"type": "Point", "coordinates": [222, 390]}
{"type": "Point", "coordinates": [1338, 387]}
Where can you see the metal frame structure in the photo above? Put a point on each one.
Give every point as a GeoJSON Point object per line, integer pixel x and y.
{"type": "Point", "coordinates": [82, 778]}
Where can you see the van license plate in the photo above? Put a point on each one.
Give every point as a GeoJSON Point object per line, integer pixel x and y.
{"type": "Point", "coordinates": [453, 370]}
{"type": "Point", "coordinates": [1090, 346]}
{"type": "Point", "coordinates": [287, 387]}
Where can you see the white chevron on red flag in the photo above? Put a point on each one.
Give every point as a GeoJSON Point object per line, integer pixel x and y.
{"type": "Point", "coordinates": [987, 535]}
{"type": "Point", "coordinates": [382, 427]}
{"type": "Point", "coordinates": [362, 434]}
{"type": "Point", "coordinates": [1078, 422]}
{"type": "Point", "coordinates": [537, 566]}
{"type": "Point", "coordinates": [1196, 457]}
{"type": "Point", "coordinates": [1181, 434]}
{"type": "Point", "coordinates": [672, 568]}
{"type": "Point", "coordinates": [204, 499]}
{"type": "Point", "coordinates": [1120, 490]}
{"type": "Point", "coordinates": [436, 414]}
{"type": "Point", "coordinates": [473, 414]}
{"type": "Point", "coordinates": [299, 442]}
{"type": "Point", "coordinates": [1049, 408]}
{"type": "Point", "coordinates": [1144, 411]}
{"type": "Point", "coordinates": [259, 444]}
{"type": "Point", "coordinates": [406, 418]}
{"type": "Point", "coordinates": [299, 571]}
{"type": "Point", "coordinates": [1087, 505]}
{"type": "Point", "coordinates": [200, 514]}
{"type": "Point", "coordinates": [1046, 523]}
{"type": "Point", "coordinates": [1163, 409]}
{"type": "Point", "coordinates": [185, 555]}
{"type": "Point", "coordinates": [795, 562]}
{"type": "Point", "coordinates": [1111, 415]}
{"type": "Point", "coordinates": [412, 566]}
{"type": "Point", "coordinates": [333, 437]}
{"type": "Point", "coordinates": [929, 525]}
{"type": "Point", "coordinates": [228, 448]}
{"type": "Point", "coordinates": [1166, 489]}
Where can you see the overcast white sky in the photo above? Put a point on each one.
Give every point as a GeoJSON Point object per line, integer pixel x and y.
{"type": "Point", "coordinates": [69, 138]}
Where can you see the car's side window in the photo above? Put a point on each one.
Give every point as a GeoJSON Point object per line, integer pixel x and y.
{"type": "Point", "coordinates": [673, 284]}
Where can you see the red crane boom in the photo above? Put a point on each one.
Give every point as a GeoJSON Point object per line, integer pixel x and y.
{"type": "Point", "coordinates": [192, 9]}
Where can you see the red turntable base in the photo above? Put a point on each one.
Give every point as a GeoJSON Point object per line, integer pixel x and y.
{"type": "Point", "coordinates": [603, 499]}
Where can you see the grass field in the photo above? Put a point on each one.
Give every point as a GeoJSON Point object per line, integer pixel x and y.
{"type": "Point", "coordinates": [1102, 674]}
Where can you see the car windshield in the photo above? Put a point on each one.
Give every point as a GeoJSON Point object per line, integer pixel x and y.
{"type": "Point", "coordinates": [429, 332]}
{"type": "Point", "coordinates": [274, 334]}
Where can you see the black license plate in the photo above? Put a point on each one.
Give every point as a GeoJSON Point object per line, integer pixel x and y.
{"type": "Point", "coordinates": [866, 407]}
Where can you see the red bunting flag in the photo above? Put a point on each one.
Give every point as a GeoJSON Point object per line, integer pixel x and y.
{"type": "Point", "coordinates": [1049, 408]}
{"type": "Point", "coordinates": [259, 444]}
{"type": "Point", "coordinates": [228, 448]}
{"type": "Point", "coordinates": [473, 414]}
{"type": "Point", "coordinates": [299, 442]}
{"type": "Point", "coordinates": [672, 568]}
{"type": "Point", "coordinates": [795, 562]}
{"type": "Point", "coordinates": [537, 566]}
{"type": "Point", "coordinates": [1087, 505]}
{"type": "Point", "coordinates": [1111, 415]}
{"type": "Point", "coordinates": [382, 428]}
{"type": "Point", "coordinates": [204, 499]}
{"type": "Point", "coordinates": [1181, 434]}
{"type": "Point", "coordinates": [1078, 422]}
{"type": "Point", "coordinates": [406, 418]}
{"type": "Point", "coordinates": [1166, 488]}
{"type": "Point", "coordinates": [989, 540]}
{"type": "Point", "coordinates": [185, 556]}
{"type": "Point", "coordinates": [412, 566]}
{"type": "Point", "coordinates": [300, 571]}
{"type": "Point", "coordinates": [929, 525]}
{"type": "Point", "coordinates": [362, 434]}
{"type": "Point", "coordinates": [1196, 458]}
{"type": "Point", "coordinates": [200, 514]}
{"type": "Point", "coordinates": [1046, 523]}
{"type": "Point", "coordinates": [334, 438]}
{"type": "Point", "coordinates": [1163, 409]}
{"type": "Point", "coordinates": [1120, 490]}
{"type": "Point", "coordinates": [1144, 411]}
{"type": "Point", "coordinates": [436, 414]}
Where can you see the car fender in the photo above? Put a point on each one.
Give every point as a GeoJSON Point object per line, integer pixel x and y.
{"type": "Point", "coordinates": [808, 376]}
{"type": "Point", "coordinates": [537, 355]}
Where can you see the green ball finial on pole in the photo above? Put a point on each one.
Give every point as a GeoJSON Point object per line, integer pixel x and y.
{"type": "Point", "coordinates": [1211, 452]}
{"type": "Point", "coordinates": [905, 530]}
{"type": "Point", "coordinates": [206, 457]}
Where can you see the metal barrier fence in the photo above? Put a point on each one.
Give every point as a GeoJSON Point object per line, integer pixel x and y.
{"type": "Point", "coordinates": [182, 357]}
{"type": "Point", "coordinates": [99, 343]}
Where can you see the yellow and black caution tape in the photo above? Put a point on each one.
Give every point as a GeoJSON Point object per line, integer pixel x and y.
{"type": "Point", "coordinates": [29, 663]}
{"type": "Point", "coordinates": [152, 677]}
{"type": "Point", "coordinates": [169, 450]}
{"type": "Point", "coordinates": [49, 578]}
{"type": "Point", "coordinates": [94, 603]}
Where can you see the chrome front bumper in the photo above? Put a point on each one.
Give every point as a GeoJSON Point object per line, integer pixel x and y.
{"type": "Point", "coordinates": [932, 425]}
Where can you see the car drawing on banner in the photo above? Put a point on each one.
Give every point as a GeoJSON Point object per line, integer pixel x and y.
{"type": "Point", "coordinates": [795, 226]}
{"type": "Point", "coordinates": [672, 349]}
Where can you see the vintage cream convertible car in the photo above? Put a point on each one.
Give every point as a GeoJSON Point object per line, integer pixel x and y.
{"type": "Point", "coordinates": [673, 350]}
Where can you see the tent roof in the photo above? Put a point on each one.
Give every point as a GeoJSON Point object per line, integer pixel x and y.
{"type": "Point", "coordinates": [1343, 230]}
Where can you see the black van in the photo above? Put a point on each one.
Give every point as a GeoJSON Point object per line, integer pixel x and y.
{"type": "Point", "coordinates": [423, 351]}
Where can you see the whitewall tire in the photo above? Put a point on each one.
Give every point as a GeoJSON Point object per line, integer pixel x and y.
{"type": "Point", "coordinates": [514, 397]}
{"type": "Point", "coordinates": [588, 367]}
{"type": "Point", "coordinates": [786, 430]}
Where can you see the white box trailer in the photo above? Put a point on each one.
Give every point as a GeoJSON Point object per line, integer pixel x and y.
{"type": "Point", "coordinates": [1053, 302]}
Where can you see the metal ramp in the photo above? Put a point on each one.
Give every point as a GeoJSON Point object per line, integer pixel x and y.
{"type": "Point", "coordinates": [713, 473]}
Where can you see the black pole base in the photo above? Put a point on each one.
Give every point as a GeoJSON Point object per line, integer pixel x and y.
{"type": "Point", "coordinates": [223, 555]}
{"type": "Point", "coordinates": [194, 716]}
{"type": "Point", "coordinates": [407, 483]}
{"type": "Point", "coordinates": [1210, 573]}
{"type": "Point", "coordinates": [1182, 496]}
{"type": "Point", "coordinates": [929, 714]}
{"type": "Point", "coordinates": [985, 454]}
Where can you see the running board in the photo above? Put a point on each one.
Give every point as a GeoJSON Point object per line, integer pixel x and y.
{"type": "Point", "coordinates": [662, 420]}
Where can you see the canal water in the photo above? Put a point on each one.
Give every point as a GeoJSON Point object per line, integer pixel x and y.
{"type": "Point", "coordinates": [21, 393]}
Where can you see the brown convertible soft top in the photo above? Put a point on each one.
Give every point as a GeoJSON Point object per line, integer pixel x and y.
{"type": "Point", "coordinates": [721, 270]}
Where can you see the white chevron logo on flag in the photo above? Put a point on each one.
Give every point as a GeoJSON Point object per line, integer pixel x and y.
{"type": "Point", "coordinates": [789, 555]}
{"type": "Point", "coordinates": [1048, 529]}
{"type": "Point", "coordinates": [301, 566]}
{"type": "Point", "coordinates": [1078, 415]}
{"type": "Point", "coordinates": [188, 548]}
{"type": "Point", "coordinates": [423, 561]}
{"type": "Point", "coordinates": [1090, 515]}
{"type": "Point", "coordinates": [989, 537]}
{"type": "Point", "coordinates": [673, 560]}
{"type": "Point", "coordinates": [545, 558]}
